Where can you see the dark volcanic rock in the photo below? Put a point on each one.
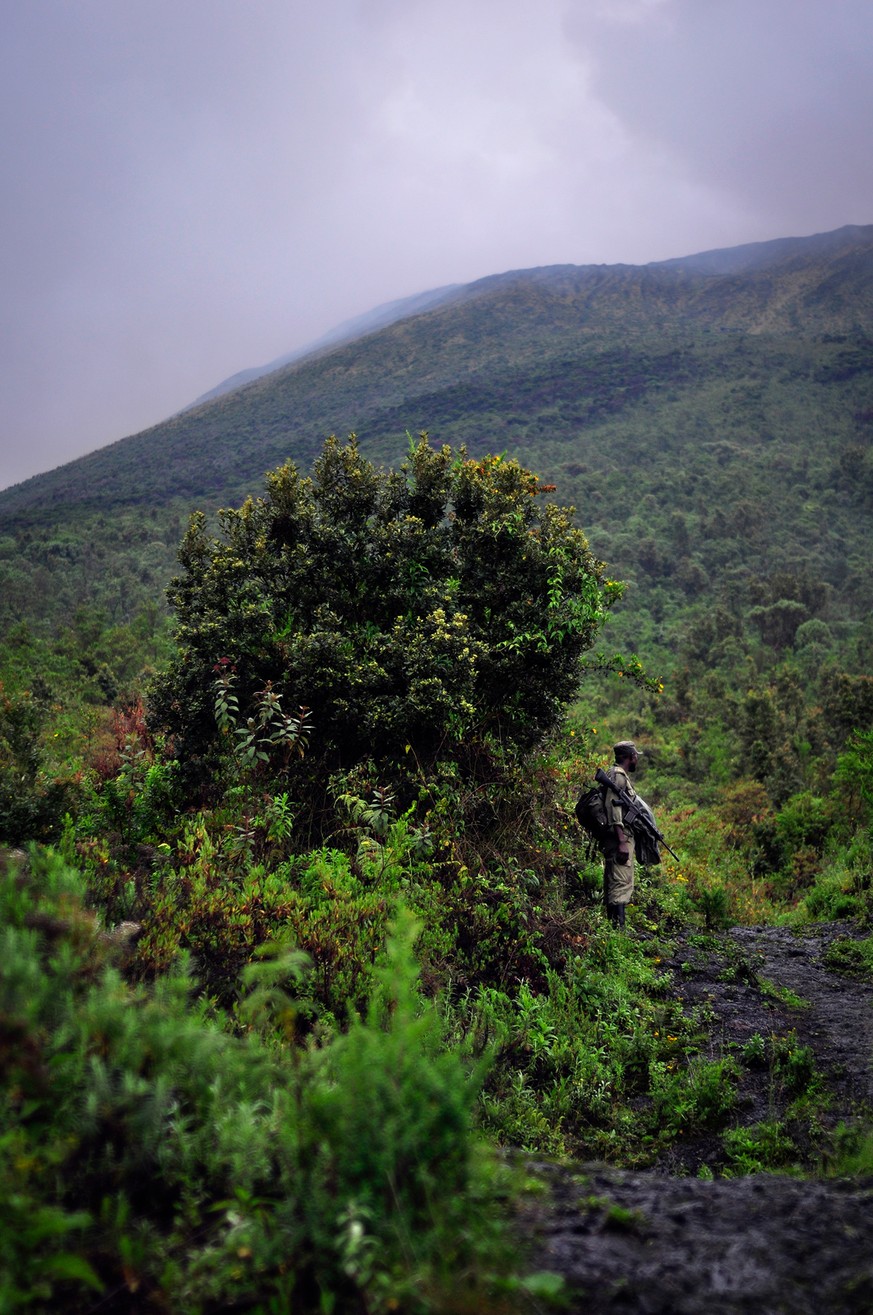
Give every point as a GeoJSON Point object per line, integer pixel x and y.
{"type": "Point", "coordinates": [651, 1245]}
{"type": "Point", "coordinates": [669, 1243]}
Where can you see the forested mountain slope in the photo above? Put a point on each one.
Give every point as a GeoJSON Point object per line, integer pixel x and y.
{"type": "Point", "coordinates": [378, 318]}
{"type": "Point", "coordinates": [710, 417]}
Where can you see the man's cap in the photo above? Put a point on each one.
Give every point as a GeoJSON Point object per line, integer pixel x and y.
{"type": "Point", "coordinates": [624, 749]}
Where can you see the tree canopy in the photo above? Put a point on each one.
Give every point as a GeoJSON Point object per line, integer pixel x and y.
{"type": "Point", "coordinates": [389, 611]}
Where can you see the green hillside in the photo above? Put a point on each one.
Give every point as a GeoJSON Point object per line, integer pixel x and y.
{"type": "Point", "coordinates": [568, 347]}
{"type": "Point", "coordinates": [709, 417]}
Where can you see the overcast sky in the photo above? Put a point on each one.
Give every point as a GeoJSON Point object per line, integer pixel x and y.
{"type": "Point", "coordinates": [192, 187]}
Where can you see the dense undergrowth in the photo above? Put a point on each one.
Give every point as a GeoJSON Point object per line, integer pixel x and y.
{"type": "Point", "coordinates": [269, 1012]}
{"type": "Point", "coordinates": [169, 1155]}
{"type": "Point", "coordinates": [275, 1095]}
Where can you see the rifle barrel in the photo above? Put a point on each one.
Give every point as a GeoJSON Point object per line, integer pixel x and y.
{"type": "Point", "coordinates": [623, 797]}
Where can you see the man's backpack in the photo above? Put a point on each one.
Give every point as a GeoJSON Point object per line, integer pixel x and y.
{"type": "Point", "coordinates": [591, 814]}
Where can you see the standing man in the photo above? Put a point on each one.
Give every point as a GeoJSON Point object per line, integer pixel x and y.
{"type": "Point", "coordinates": [618, 850]}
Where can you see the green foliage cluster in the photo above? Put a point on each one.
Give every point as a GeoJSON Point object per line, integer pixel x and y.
{"type": "Point", "coordinates": [790, 1143]}
{"type": "Point", "coordinates": [596, 1064]}
{"type": "Point", "coordinates": [411, 615]}
{"type": "Point", "coordinates": [31, 802]}
{"type": "Point", "coordinates": [150, 1152]}
{"type": "Point", "coordinates": [852, 957]}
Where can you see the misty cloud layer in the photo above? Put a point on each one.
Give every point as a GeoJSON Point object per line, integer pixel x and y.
{"type": "Point", "coordinates": [194, 187]}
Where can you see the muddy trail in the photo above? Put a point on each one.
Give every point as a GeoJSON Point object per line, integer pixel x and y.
{"type": "Point", "coordinates": [669, 1242]}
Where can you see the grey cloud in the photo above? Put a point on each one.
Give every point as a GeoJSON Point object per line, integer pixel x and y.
{"type": "Point", "coordinates": [195, 186]}
{"type": "Point", "coordinates": [773, 101]}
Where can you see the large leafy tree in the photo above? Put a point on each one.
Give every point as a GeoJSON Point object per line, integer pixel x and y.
{"type": "Point", "coordinates": [420, 609]}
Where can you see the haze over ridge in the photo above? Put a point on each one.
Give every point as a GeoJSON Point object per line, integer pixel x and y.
{"type": "Point", "coordinates": [191, 187]}
{"type": "Point", "coordinates": [555, 330]}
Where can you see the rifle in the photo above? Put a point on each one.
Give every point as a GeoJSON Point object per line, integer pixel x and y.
{"type": "Point", "coordinates": [636, 811]}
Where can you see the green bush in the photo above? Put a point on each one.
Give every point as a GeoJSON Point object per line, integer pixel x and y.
{"type": "Point", "coordinates": [145, 1148]}
{"type": "Point", "coordinates": [407, 614]}
{"type": "Point", "coordinates": [575, 1061]}
{"type": "Point", "coordinates": [804, 820]}
{"type": "Point", "coordinates": [854, 958]}
{"type": "Point", "coordinates": [698, 1096]}
{"type": "Point", "coordinates": [32, 801]}
{"type": "Point", "coordinates": [762, 1148]}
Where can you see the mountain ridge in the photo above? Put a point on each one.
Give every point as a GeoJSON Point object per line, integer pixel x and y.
{"type": "Point", "coordinates": [717, 261]}
{"type": "Point", "coordinates": [713, 431]}
{"type": "Point", "coordinates": [378, 318]}
{"type": "Point", "coordinates": [522, 325]}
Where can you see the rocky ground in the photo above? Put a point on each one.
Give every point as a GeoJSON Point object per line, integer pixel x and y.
{"type": "Point", "coordinates": [667, 1242]}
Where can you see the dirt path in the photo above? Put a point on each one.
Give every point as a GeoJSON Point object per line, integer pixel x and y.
{"type": "Point", "coordinates": [669, 1243]}
{"type": "Point", "coordinates": [838, 1021]}
{"type": "Point", "coordinates": [771, 984]}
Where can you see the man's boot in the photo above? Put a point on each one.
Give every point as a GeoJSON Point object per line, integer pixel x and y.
{"type": "Point", "coordinates": [620, 910]}
{"type": "Point", "coordinates": [612, 914]}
